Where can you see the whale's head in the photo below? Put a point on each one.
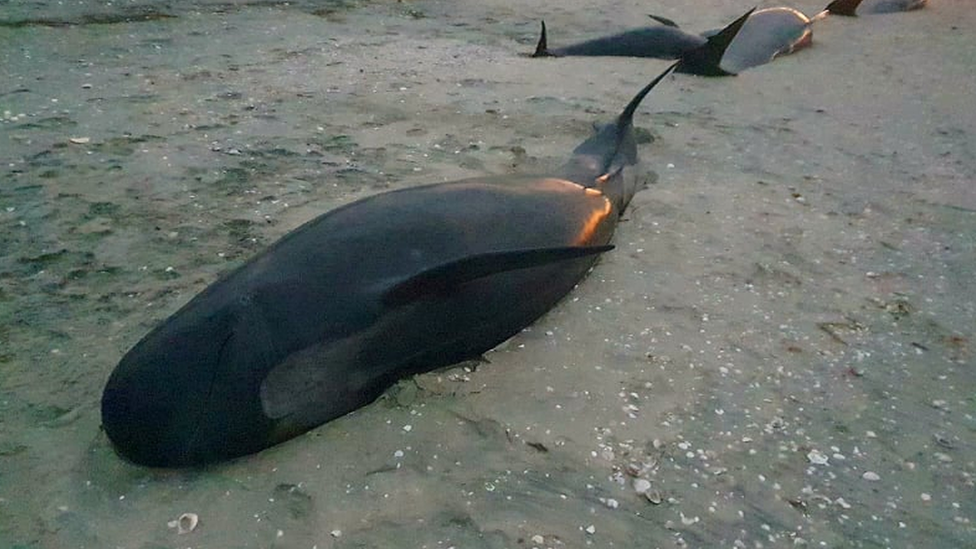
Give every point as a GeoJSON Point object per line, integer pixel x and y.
{"type": "Point", "coordinates": [187, 393]}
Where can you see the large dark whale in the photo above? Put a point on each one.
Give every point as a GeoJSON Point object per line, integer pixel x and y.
{"type": "Point", "coordinates": [697, 54]}
{"type": "Point", "coordinates": [327, 318]}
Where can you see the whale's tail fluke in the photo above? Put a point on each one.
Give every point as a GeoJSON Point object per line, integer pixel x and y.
{"type": "Point", "coordinates": [663, 20]}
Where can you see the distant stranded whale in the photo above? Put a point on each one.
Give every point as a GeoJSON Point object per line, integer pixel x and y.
{"type": "Point", "coordinates": [327, 318]}
{"type": "Point", "coordinates": [772, 32]}
{"type": "Point", "coordinates": [697, 54]}
{"type": "Point", "coordinates": [888, 6]}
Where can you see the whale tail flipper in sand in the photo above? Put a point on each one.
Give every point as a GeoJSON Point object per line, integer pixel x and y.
{"type": "Point", "coordinates": [707, 59]}
{"type": "Point", "coordinates": [663, 20]}
{"type": "Point", "coordinates": [542, 48]}
{"type": "Point", "coordinates": [840, 7]}
{"type": "Point", "coordinates": [850, 7]}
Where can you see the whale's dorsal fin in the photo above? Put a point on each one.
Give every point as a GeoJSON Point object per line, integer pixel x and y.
{"type": "Point", "coordinates": [542, 48]}
{"type": "Point", "coordinates": [706, 59]}
{"type": "Point", "coordinates": [447, 276]}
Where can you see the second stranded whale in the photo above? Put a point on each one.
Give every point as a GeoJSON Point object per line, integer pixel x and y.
{"type": "Point", "coordinates": [697, 54]}
{"type": "Point", "coordinates": [766, 34]}
{"type": "Point", "coordinates": [776, 31]}
{"type": "Point", "coordinates": [327, 318]}
{"type": "Point", "coordinates": [890, 6]}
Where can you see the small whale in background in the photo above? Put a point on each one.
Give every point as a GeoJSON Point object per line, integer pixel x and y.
{"type": "Point", "coordinates": [328, 317]}
{"type": "Point", "coordinates": [885, 6]}
{"type": "Point", "coordinates": [698, 55]}
{"type": "Point", "coordinates": [663, 41]}
{"type": "Point", "coordinates": [772, 32]}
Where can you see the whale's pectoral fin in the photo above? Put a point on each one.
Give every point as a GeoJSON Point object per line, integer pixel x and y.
{"type": "Point", "coordinates": [447, 276]}
{"type": "Point", "coordinates": [316, 384]}
{"type": "Point", "coordinates": [663, 20]}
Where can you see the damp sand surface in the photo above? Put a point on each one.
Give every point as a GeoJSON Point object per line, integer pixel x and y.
{"type": "Point", "coordinates": [778, 353]}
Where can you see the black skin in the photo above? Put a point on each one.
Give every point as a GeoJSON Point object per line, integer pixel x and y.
{"type": "Point", "coordinates": [659, 42]}
{"type": "Point", "coordinates": [851, 7]}
{"type": "Point", "coordinates": [327, 318]}
{"type": "Point", "coordinates": [696, 55]}
{"type": "Point", "coordinates": [843, 7]}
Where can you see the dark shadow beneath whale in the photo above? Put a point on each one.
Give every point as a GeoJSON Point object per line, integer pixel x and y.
{"type": "Point", "coordinates": [327, 318]}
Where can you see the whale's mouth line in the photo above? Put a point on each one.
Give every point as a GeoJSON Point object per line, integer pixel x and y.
{"type": "Point", "coordinates": [187, 450]}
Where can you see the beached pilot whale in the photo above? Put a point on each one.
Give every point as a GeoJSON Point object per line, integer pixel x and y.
{"type": "Point", "coordinates": [327, 318]}
{"type": "Point", "coordinates": [771, 32]}
{"type": "Point", "coordinates": [887, 6]}
{"type": "Point", "coordinates": [698, 55]}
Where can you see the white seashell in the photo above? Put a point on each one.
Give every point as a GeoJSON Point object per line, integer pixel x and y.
{"type": "Point", "coordinates": [186, 523]}
{"type": "Point", "coordinates": [817, 457]}
{"type": "Point", "coordinates": [641, 485]}
{"type": "Point", "coordinates": [654, 496]}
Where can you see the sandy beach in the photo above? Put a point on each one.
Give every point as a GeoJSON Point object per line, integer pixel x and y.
{"type": "Point", "coordinates": [778, 353]}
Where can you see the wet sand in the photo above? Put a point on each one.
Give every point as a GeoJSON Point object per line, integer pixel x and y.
{"type": "Point", "coordinates": [780, 345]}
